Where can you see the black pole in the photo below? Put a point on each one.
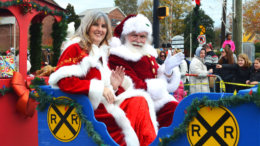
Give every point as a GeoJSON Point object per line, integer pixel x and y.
{"type": "Point", "coordinates": [223, 27]}
{"type": "Point", "coordinates": [196, 11]}
{"type": "Point", "coordinates": [155, 24]}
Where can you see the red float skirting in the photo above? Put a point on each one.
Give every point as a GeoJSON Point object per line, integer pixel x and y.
{"type": "Point", "coordinates": [15, 130]}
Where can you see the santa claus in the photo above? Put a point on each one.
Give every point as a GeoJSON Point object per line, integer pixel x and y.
{"type": "Point", "coordinates": [130, 117]}
{"type": "Point", "coordinates": [131, 49]}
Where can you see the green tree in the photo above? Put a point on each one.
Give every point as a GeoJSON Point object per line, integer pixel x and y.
{"type": "Point", "coordinates": [257, 47]}
{"type": "Point", "coordinates": [127, 6]}
{"type": "Point", "coordinates": [217, 40]}
{"type": "Point", "coordinates": [206, 21]}
{"type": "Point", "coordinates": [179, 9]}
{"type": "Point", "coordinates": [72, 17]}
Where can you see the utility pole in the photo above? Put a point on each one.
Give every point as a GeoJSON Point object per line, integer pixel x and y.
{"type": "Point", "coordinates": [155, 24]}
{"type": "Point", "coordinates": [238, 27]}
{"type": "Point", "coordinates": [224, 22]}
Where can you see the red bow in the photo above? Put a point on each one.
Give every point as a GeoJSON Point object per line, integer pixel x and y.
{"type": "Point", "coordinates": [25, 105]}
{"type": "Point", "coordinates": [197, 2]}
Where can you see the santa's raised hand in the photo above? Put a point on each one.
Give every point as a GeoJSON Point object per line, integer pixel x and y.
{"type": "Point", "coordinates": [172, 61]}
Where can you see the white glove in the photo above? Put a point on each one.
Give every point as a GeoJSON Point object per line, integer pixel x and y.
{"type": "Point", "coordinates": [172, 61]}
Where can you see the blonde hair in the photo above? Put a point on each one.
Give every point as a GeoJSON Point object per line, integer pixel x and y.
{"type": "Point", "coordinates": [248, 63]}
{"type": "Point", "coordinates": [177, 50]}
{"type": "Point", "coordinates": [83, 30]}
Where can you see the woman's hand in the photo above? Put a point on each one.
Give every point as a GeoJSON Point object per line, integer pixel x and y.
{"type": "Point", "coordinates": [107, 93]}
{"type": "Point", "coordinates": [247, 82]}
{"type": "Point", "coordinates": [218, 66]}
{"type": "Point", "coordinates": [117, 77]}
{"type": "Point", "coordinates": [211, 71]}
{"type": "Point", "coordinates": [254, 83]}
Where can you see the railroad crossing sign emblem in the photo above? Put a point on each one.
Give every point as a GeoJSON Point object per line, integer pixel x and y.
{"type": "Point", "coordinates": [63, 122]}
{"type": "Point", "coordinates": [213, 127]}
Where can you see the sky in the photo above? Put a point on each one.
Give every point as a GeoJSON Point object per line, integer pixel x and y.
{"type": "Point", "coordinates": [213, 8]}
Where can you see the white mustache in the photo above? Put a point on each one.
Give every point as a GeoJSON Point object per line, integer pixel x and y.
{"type": "Point", "coordinates": [138, 44]}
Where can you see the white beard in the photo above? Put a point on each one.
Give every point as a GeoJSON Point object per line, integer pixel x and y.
{"type": "Point", "coordinates": [140, 50]}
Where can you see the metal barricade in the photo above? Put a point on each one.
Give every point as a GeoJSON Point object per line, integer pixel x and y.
{"type": "Point", "coordinates": [198, 76]}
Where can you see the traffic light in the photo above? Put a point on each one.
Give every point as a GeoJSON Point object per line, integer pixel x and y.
{"type": "Point", "coordinates": [163, 11]}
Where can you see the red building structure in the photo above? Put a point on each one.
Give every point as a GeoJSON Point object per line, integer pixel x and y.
{"type": "Point", "coordinates": [15, 129]}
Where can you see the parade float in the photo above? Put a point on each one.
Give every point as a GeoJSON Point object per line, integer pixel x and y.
{"type": "Point", "coordinates": [32, 113]}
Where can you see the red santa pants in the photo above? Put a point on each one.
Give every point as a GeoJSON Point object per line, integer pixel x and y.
{"type": "Point", "coordinates": [165, 114]}
{"type": "Point", "coordinates": [137, 112]}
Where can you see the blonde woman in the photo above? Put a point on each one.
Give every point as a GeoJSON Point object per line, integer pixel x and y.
{"type": "Point", "coordinates": [241, 69]}
{"type": "Point", "coordinates": [82, 69]}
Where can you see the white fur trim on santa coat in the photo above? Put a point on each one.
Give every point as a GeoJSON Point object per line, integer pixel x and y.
{"type": "Point", "coordinates": [127, 84]}
{"type": "Point", "coordinates": [95, 92]}
{"type": "Point", "coordinates": [157, 88]}
{"type": "Point", "coordinates": [137, 24]}
{"type": "Point", "coordinates": [70, 42]}
{"type": "Point", "coordinates": [126, 54]}
{"type": "Point", "coordinates": [114, 42]}
{"type": "Point", "coordinates": [173, 82]}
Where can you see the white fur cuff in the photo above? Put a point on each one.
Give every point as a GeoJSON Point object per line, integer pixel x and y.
{"type": "Point", "coordinates": [95, 92]}
{"type": "Point", "coordinates": [156, 88]}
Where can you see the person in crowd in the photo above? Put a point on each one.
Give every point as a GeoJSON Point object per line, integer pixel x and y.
{"type": "Point", "coordinates": [241, 69]}
{"type": "Point", "coordinates": [234, 55]}
{"type": "Point", "coordinates": [28, 63]}
{"type": "Point", "coordinates": [183, 67]}
{"type": "Point", "coordinates": [225, 74]}
{"type": "Point", "coordinates": [211, 61]}
{"type": "Point", "coordinates": [180, 93]}
{"type": "Point", "coordinates": [230, 42]}
{"type": "Point", "coordinates": [210, 45]}
{"type": "Point", "coordinates": [197, 66]}
{"type": "Point", "coordinates": [131, 49]}
{"type": "Point", "coordinates": [49, 51]}
{"type": "Point", "coordinates": [164, 47]}
{"type": "Point", "coordinates": [83, 69]}
{"type": "Point", "coordinates": [169, 46]}
{"type": "Point", "coordinates": [162, 55]}
{"type": "Point", "coordinates": [255, 73]}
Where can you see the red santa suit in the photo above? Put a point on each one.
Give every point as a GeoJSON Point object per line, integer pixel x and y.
{"type": "Point", "coordinates": [131, 120]}
{"type": "Point", "coordinates": [140, 65]}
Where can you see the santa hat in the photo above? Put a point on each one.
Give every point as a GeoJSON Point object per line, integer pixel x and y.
{"type": "Point", "coordinates": [134, 22]}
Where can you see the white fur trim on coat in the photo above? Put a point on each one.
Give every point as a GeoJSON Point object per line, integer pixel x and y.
{"type": "Point", "coordinates": [127, 84]}
{"type": "Point", "coordinates": [114, 42]}
{"type": "Point", "coordinates": [96, 92]}
{"type": "Point", "coordinates": [137, 24]}
{"type": "Point", "coordinates": [70, 42]}
{"type": "Point", "coordinates": [128, 55]}
{"type": "Point", "coordinates": [157, 88]}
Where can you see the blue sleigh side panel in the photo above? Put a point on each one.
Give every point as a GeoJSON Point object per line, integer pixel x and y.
{"type": "Point", "coordinates": [45, 136]}
{"type": "Point", "coordinates": [247, 116]}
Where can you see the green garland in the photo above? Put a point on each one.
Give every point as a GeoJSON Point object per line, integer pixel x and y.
{"type": "Point", "coordinates": [36, 6]}
{"type": "Point", "coordinates": [59, 34]}
{"type": "Point", "coordinates": [35, 45]}
{"type": "Point", "coordinates": [192, 111]}
{"type": "Point", "coordinates": [45, 99]}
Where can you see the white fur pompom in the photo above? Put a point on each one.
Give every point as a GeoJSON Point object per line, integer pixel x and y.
{"type": "Point", "coordinates": [114, 42]}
